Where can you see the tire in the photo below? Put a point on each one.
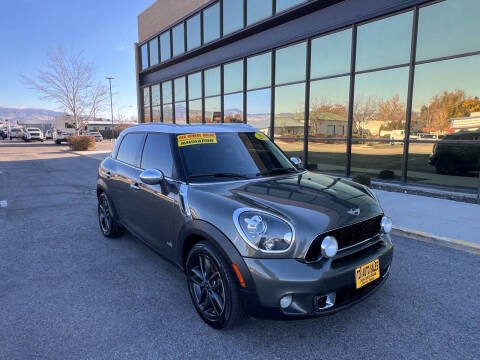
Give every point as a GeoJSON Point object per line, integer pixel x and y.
{"type": "Point", "coordinates": [108, 225]}
{"type": "Point", "coordinates": [211, 283]}
{"type": "Point", "coordinates": [58, 142]}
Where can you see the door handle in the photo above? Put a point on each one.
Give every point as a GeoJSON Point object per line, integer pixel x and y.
{"type": "Point", "coordinates": [108, 174]}
{"type": "Point", "coordinates": [135, 187]}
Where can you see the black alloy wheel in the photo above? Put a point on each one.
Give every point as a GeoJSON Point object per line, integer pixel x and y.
{"type": "Point", "coordinates": [213, 287]}
{"type": "Point", "coordinates": [110, 228]}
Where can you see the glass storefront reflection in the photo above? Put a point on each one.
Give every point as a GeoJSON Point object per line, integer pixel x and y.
{"type": "Point", "coordinates": [195, 111]}
{"type": "Point", "coordinates": [259, 71]}
{"type": "Point", "coordinates": [233, 77]}
{"type": "Point", "coordinates": [292, 148]}
{"type": "Point", "coordinates": [291, 63]}
{"type": "Point", "coordinates": [329, 107]}
{"type": "Point", "coordinates": [258, 109]}
{"type": "Point", "coordinates": [193, 32]}
{"type": "Point", "coordinates": [290, 110]}
{"type": "Point", "coordinates": [331, 54]}
{"type": "Point", "coordinates": [156, 114]}
{"type": "Point", "coordinates": [380, 160]}
{"type": "Point", "coordinates": [211, 23]}
{"type": "Point", "coordinates": [181, 113]}
{"type": "Point", "coordinates": [153, 44]}
{"type": "Point", "coordinates": [258, 10]}
{"type": "Point", "coordinates": [179, 85]}
{"type": "Point", "coordinates": [213, 110]}
{"type": "Point", "coordinates": [168, 113]}
{"type": "Point", "coordinates": [233, 108]}
{"type": "Point", "coordinates": [327, 156]}
{"type": "Point", "coordinates": [379, 110]}
{"type": "Point", "coordinates": [195, 86]}
{"type": "Point", "coordinates": [212, 81]}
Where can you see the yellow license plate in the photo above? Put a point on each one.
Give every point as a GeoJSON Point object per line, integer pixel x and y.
{"type": "Point", "coordinates": [367, 273]}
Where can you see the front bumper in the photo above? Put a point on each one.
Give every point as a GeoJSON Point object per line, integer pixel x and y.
{"type": "Point", "coordinates": [275, 278]}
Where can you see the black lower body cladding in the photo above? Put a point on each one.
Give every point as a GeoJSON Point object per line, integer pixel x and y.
{"type": "Point", "coordinates": [309, 283]}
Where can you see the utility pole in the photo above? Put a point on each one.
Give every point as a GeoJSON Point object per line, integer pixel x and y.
{"type": "Point", "coordinates": [111, 104]}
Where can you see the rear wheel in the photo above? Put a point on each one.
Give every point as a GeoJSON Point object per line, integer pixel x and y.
{"type": "Point", "coordinates": [213, 286]}
{"type": "Point", "coordinates": [108, 225]}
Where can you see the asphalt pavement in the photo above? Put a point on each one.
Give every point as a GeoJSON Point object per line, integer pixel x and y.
{"type": "Point", "coordinates": [68, 292]}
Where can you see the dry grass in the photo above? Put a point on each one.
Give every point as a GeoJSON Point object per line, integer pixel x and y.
{"type": "Point", "coordinates": [81, 143]}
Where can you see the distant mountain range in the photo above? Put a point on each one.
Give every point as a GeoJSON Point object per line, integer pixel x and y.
{"type": "Point", "coordinates": [28, 115]}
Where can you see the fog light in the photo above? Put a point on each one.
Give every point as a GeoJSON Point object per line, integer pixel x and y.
{"type": "Point", "coordinates": [329, 246]}
{"type": "Point", "coordinates": [386, 224]}
{"type": "Point", "coordinates": [286, 301]}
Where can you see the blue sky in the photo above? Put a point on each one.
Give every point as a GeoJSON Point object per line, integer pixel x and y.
{"type": "Point", "coordinates": [104, 29]}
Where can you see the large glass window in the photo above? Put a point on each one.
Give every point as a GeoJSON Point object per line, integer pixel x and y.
{"type": "Point", "coordinates": [380, 104]}
{"type": "Point", "coordinates": [290, 110]}
{"type": "Point", "coordinates": [291, 63]}
{"type": "Point", "coordinates": [168, 113]}
{"type": "Point", "coordinates": [195, 111]}
{"type": "Point", "coordinates": [211, 23]}
{"type": "Point", "coordinates": [331, 54]}
{"type": "Point", "coordinates": [129, 151]}
{"type": "Point", "coordinates": [146, 96]}
{"type": "Point", "coordinates": [157, 154]}
{"type": "Point", "coordinates": [233, 108]}
{"type": "Point", "coordinates": [232, 15]}
{"type": "Point", "coordinates": [212, 81]}
{"type": "Point", "coordinates": [291, 147]}
{"type": "Point", "coordinates": [156, 115]}
{"type": "Point", "coordinates": [195, 86]}
{"type": "Point", "coordinates": [233, 77]}
{"type": "Point", "coordinates": [259, 71]}
{"type": "Point", "coordinates": [380, 160]}
{"type": "Point", "coordinates": [258, 10]}
{"type": "Point", "coordinates": [193, 32]}
{"type": "Point", "coordinates": [178, 36]}
{"type": "Point", "coordinates": [329, 108]}
{"type": "Point", "coordinates": [213, 110]}
{"type": "Point", "coordinates": [180, 112]}
{"type": "Point", "coordinates": [384, 42]}
{"type": "Point", "coordinates": [285, 4]}
{"type": "Point", "coordinates": [327, 156]}
{"type": "Point", "coordinates": [165, 50]}
{"type": "Point", "coordinates": [144, 51]}
{"type": "Point", "coordinates": [146, 114]}
{"type": "Point", "coordinates": [447, 28]}
{"type": "Point", "coordinates": [180, 94]}
{"type": "Point", "coordinates": [167, 101]}
{"type": "Point", "coordinates": [258, 109]}
{"type": "Point", "coordinates": [153, 51]}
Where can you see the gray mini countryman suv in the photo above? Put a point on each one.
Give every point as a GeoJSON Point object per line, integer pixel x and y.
{"type": "Point", "coordinates": [253, 231]}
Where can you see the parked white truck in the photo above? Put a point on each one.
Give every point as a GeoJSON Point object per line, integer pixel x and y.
{"type": "Point", "coordinates": [64, 128]}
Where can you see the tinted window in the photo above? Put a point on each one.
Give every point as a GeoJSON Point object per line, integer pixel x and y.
{"type": "Point", "coordinates": [233, 77]}
{"type": "Point", "coordinates": [211, 23]}
{"type": "Point", "coordinates": [144, 50]}
{"type": "Point", "coordinates": [384, 42]}
{"type": "Point", "coordinates": [193, 32]}
{"type": "Point", "coordinates": [233, 108]}
{"type": "Point", "coordinates": [285, 4]}
{"type": "Point", "coordinates": [178, 40]}
{"type": "Point", "coordinates": [195, 111]}
{"type": "Point", "coordinates": [180, 89]}
{"type": "Point", "coordinates": [157, 154]}
{"type": "Point", "coordinates": [146, 96]}
{"type": "Point", "coordinates": [290, 110]}
{"type": "Point", "coordinates": [167, 92]}
{"type": "Point", "coordinates": [165, 46]}
{"type": "Point", "coordinates": [181, 112]}
{"type": "Point", "coordinates": [447, 28]}
{"type": "Point", "coordinates": [232, 15]}
{"type": "Point", "coordinates": [130, 148]}
{"type": "Point", "coordinates": [153, 51]}
{"type": "Point", "coordinates": [291, 63]}
{"type": "Point", "coordinates": [212, 110]}
{"type": "Point", "coordinates": [331, 54]}
{"type": "Point", "coordinates": [195, 86]}
{"type": "Point", "coordinates": [156, 94]}
{"type": "Point", "coordinates": [258, 109]}
{"type": "Point", "coordinates": [259, 71]}
{"type": "Point", "coordinates": [258, 10]}
{"type": "Point", "coordinates": [212, 81]}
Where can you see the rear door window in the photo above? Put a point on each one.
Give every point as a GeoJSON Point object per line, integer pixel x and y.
{"type": "Point", "coordinates": [130, 149]}
{"type": "Point", "coordinates": [157, 154]}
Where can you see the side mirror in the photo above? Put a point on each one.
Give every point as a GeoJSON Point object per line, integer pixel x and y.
{"type": "Point", "coordinates": [152, 177]}
{"type": "Point", "coordinates": [296, 161]}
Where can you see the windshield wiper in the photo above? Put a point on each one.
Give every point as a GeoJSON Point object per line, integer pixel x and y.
{"type": "Point", "coordinates": [221, 175]}
{"type": "Point", "coordinates": [277, 171]}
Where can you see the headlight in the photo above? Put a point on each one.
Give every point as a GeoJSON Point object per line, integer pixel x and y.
{"type": "Point", "coordinates": [264, 231]}
{"type": "Point", "coordinates": [386, 224]}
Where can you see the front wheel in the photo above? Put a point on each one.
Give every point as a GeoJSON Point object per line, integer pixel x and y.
{"type": "Point", "coordinates": [213, 286]}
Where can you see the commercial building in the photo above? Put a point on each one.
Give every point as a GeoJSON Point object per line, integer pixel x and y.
{"type": "Point", "coordinates": [328, 80]}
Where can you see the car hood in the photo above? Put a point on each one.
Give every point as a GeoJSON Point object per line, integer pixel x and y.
{"type": "Point", "coordinates": [313, 203]}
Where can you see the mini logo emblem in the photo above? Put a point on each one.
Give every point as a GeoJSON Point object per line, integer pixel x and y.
{"type": "Point", "coordinates": [354, 211]}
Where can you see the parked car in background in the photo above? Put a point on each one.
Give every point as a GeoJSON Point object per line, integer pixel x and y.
{"type": "Point", "coordinates": [49, 134]}
{"type": "Point", "coordinates": [64, 128]}
{"type": "Point", "coordinates": [253, 231]}
{"type": "Point", "coordinates": [16, 133]}
{"type": "Point", "coordinates": [96, 134]}
{"type": "Point", "coordinates": [450, 158]}
{"type": "Point", "coordinates": [33, 134]}
{"type": "Point", "coordinates": [3, 134]}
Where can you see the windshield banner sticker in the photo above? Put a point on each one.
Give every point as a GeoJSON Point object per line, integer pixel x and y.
{"type": "Point", "coordinates": [261, 136]}
{"type": "Point", "coordinates": [196, 139]}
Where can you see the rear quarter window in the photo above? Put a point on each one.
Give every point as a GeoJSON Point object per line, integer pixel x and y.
{"type": "Point", "coordinates": [129, 150]}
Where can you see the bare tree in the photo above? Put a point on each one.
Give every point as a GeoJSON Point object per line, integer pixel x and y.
{"type": "Point", "coordinates": [364, 110]}
{"type": "Point", "coordinates": [69, 81]}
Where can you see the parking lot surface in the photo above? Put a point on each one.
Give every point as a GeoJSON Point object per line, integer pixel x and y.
{"type": "Point", "coordinates": [68, 292]}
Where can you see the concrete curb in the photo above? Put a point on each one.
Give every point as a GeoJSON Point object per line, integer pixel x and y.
{"type": "Point", "coordinates": [439, 240]}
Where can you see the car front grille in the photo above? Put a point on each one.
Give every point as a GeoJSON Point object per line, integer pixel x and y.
{"type": "Point", "coordinates": [346, 236]}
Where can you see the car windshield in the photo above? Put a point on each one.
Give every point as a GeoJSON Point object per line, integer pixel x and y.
{"type": "Point", "coordinates": [231, 155]}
